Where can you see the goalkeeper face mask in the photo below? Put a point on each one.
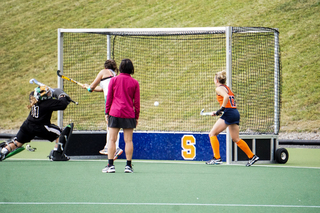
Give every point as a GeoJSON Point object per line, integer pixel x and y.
{"type": "Point", "coordinates": [42, 93]}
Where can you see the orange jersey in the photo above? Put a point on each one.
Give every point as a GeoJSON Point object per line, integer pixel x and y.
{"type": "Point", "coordinates": [231, 103]}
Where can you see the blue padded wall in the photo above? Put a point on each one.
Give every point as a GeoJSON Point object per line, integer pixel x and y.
{"type": "Point", "coordinates": [149, 145]}
{"type": "Point", "coordinates": [168, 146]}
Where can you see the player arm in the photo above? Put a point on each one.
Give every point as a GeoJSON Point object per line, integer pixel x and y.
{"type": "Point", "coordinates": [221, 91]}
{"type": "Point", "coordinates": [94, 85]}
{"type": "Point", "coordinates": [136, 102]}
{"type": "Point", "coordinates": [60, 104]}
{"type": "Point", "coordinates": [98, 89]}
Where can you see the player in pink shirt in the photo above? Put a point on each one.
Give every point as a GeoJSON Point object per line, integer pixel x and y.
{"type": "Point", "coordinates": [122, 111]}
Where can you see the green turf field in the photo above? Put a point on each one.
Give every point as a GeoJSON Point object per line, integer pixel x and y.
{"type": "Point", "coordinates": [39, 185]}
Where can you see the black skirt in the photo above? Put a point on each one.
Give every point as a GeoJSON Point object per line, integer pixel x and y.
{"type": "Point", "coordinates": [124, 123]}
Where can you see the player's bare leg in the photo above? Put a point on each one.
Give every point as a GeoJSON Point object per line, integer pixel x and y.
{"type": "Point", "coordinates": [127, 134]}
{"type": "Point", "coordinates": [218, 127]}
{"type": "Point", "coordinates": [118, 152]}
{"type": "Point", "coordinates": [112, 141]}
{"type": "Point", "coordinates": [111, 150]}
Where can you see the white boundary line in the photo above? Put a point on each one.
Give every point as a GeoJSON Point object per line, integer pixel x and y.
{"type": "Point", "coordinates": [174, 162]}
{"type": "Point", "coordinates": [157, 204]}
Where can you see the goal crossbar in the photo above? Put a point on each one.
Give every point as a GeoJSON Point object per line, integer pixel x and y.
{"type": "Point", "coordinates": [110, 31]}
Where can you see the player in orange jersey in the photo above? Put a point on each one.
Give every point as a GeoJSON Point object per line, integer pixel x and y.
{"type": "Point", "coordinates": [230, 118]}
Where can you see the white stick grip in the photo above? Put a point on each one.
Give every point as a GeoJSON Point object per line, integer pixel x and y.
{"type": "Point", "coordinates": [36, 82]}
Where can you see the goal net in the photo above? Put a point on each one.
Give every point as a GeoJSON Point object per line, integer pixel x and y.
{"type": "Point", "coordinates": [176, 68]}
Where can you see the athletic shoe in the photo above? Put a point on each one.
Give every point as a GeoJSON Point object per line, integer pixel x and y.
{"type": "Point", "coordinates": [104, 151]}
{"type": "Point", "coordinates": [109, 169]}
{"type": "Point", "coordinates": [117, 154]}
{"type": "Point", "coordinates": [128, 169]}
{"type": "Point", "coordinates": [58, 156]}
{"type": "Point", "coordinates": [214, 161]}
{"type": "Point", "coordinates": [252, 160]}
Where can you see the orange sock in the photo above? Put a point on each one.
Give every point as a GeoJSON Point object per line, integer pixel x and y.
{"type": "Point", "coordinates": [244, 147]}
{"type": "Point", "coordinates": [215, 146]}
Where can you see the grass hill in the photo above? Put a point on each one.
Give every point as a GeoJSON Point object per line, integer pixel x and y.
{"type": "Point", "coordinates": [28, 44]}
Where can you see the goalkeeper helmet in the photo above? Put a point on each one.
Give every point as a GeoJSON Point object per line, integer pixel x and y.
{"type": "Point", "coordinates": [42, 93]}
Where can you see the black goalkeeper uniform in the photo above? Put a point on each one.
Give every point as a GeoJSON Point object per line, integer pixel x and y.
{"type": "Point", "coordinates": [38, 122]}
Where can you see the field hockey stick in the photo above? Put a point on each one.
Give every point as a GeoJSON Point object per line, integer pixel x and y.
{"type": "Point", "coordinates": [34, 81]}
{"type": "Point", "coordinates": [207, 113]}
{"type": "Point", "coordinates": [68, 79]}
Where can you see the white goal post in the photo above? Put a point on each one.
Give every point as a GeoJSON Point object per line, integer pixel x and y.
{"type": "Point", "coordinates": [248, 54]}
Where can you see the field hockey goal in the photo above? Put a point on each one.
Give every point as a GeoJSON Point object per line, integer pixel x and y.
{"type": "Point", "coordinates": [175, 67]}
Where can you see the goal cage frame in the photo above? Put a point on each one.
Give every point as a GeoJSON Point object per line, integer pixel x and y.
{"type": "Point", "coordinates": [240, 55]}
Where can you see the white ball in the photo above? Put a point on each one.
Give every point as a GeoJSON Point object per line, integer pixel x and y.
{"type": "Point", "coordinates": [156, 103]}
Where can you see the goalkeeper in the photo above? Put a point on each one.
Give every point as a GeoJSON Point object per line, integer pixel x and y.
{"type": "Point", "coordinates": [43, 101]}
{"type": "Point", "coordinates": [230, 118]}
